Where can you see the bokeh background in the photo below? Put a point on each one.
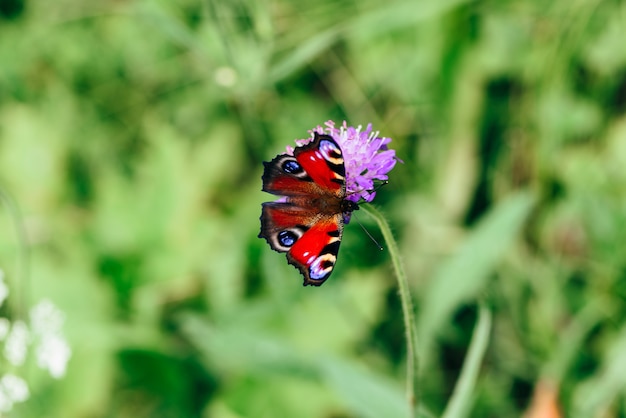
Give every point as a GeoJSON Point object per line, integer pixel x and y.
{"type": "Point", "coordinates": [132, 135]}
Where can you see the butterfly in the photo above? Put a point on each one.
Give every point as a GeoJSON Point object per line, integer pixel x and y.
{"type": "Point", "coordinates": [307, 221]}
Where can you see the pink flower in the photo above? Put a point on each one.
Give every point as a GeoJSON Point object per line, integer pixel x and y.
{"type": "Point", "coordinates": [366, 157]}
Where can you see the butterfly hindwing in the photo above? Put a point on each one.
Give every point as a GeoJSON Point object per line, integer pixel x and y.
{"type": "Point", "coordinates": [283, 223]}
{"type": "Point", "coordinates": [312, 247]}
{"type": "Point", "coordinates": [307, 222]}
{"type": "Point", "coordinates": [315, 253]}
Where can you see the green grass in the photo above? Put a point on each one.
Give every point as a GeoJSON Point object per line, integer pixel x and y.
{"type": "Point", "coordinates": [132, 136]}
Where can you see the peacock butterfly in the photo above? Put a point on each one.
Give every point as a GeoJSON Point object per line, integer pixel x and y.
{"type": "Point", "coordinates": [307, 221]}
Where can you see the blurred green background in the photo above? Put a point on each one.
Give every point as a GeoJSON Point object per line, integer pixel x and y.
{"type": "Point", "coordinates": [132, 135]}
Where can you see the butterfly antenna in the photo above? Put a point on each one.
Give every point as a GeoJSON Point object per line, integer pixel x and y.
{"type": "Point", "coordinates": [382, 183]}
{"type": "Point", "coordinates": [367, 232]}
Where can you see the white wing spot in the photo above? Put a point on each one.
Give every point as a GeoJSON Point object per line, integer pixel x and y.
{"type": "Point", "coordinates": [316, 269]}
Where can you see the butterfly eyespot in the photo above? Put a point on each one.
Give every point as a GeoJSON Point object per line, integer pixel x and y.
{"type": "Point", "coordinates": [331, 152]}
{"type": "Point", "coordinates": [291, 167]}
{"type": "Point", "coordinates": [287, 238]}
{"type": "Point", "coordinates": [322, 266]}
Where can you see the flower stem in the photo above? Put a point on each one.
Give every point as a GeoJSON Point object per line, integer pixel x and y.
{"type": "Point", "coordinates": [407, 309]}
{"type": "Point", "coordinates": [22, 276]}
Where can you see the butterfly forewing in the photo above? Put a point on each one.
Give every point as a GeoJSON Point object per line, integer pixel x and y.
{"type": "Point", "coordinates": [323, 161]}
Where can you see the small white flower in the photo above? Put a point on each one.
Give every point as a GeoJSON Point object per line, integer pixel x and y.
{"type": "Point", "coordinates": [16, 344]}
{"type": "Point", "coordinates": [45, 334]}
{"type": "Point", "coordinates": [53, 353]}
{"type": "Point", "coordinates": [225, 76]}
{"type": "Point", "coordinates": [14, 387]}
{"type": "Point", "coordinates": [5, 325]}
{"type": "Point", "coordinates": [52, 350]}
{"type": "Point", "coordinates": [46, 318]}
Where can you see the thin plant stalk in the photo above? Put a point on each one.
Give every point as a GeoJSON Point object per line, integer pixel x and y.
{"type": "Point", "coordinates": [21, 268]}
{"type": "Point", "coordinates": [461, 400]}
{"type": "Point", "coordinates": [407, 309]}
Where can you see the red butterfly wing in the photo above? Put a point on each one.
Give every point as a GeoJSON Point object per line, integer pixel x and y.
{"type": "Point", "coordinates": [323, 161]}
{"type": "Point", "coordinates": [310, 240]}
{"type": "Point", "coordinates": [307, 223]}
{"type": "Point", "coordinates": [315, 253]}
{"type": "Point", "coordinates": [316, 168]}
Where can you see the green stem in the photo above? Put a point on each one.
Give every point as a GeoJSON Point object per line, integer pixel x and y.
{"type": "Point", "coordinates": [407, 308]}
{"type": "Point", "coordinates": [21, 276]}
{"type": "Point", "coordinates": [461, 400]}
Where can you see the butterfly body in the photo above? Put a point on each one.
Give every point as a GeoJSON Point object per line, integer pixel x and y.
{"type": "Point", "coordinates": [307, 221]}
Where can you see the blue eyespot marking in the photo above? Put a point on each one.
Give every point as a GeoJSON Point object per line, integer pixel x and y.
{"type": "Point", "coordinates": [287, 238]}
{"type": "Point", "coordinates": [330, 149]}
{"type": "Point", "coordinates": [291, 167]}
{"type": "Point", "coordinates": [322, 266]}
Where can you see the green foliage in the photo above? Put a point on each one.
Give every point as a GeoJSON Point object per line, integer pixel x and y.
{"type": "Point", "coordinates": [131, 139]}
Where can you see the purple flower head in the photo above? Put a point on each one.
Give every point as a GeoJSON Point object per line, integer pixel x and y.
{"type": "Point", "coordinates": [366, 157]}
